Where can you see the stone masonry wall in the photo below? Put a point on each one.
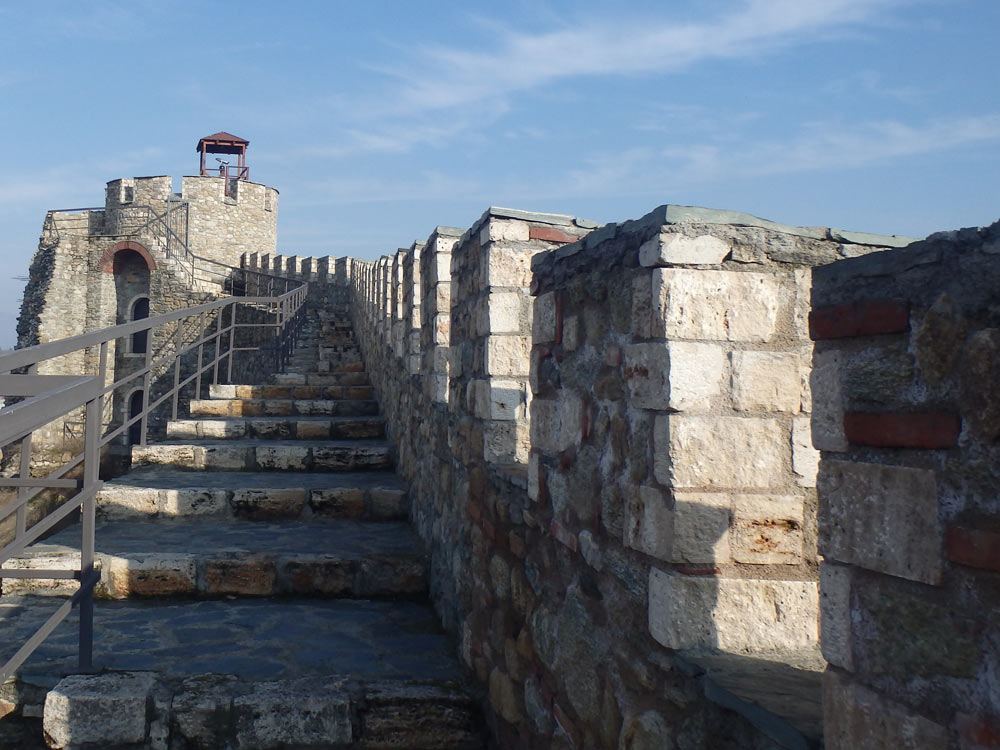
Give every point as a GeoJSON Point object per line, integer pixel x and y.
{"type": "Point", "coordinates": [906, 385]}
{"type": "Point", "coordinates": [223, 228]}
{"type": "Point", "coordinates": [658, 385]}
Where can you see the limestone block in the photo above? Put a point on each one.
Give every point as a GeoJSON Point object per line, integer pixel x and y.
{"type": "Point", "coordinates": [675, 375]}
{"type": "Point", "coordinates": [282, 457]}
{"type": "Point", "coordinates": [744, 616]}
{"type": "Point", "coordinates": [507, 266]}
{"type": "Point", "coordinates": [767, 529]}
{"type": "Point", "coordinates": [642, 306]}
{"type": "Point", "coordinates": [155, 574]}
{"type": "Point", "coordinates": [649, 524]}
{"type": "Point", "coordinates": [805, 458]}
{"type": "Point", "coordinates": [835, 614]}
{"type": "Point", "coordinates": [504, 312]}
{"type": "Point", "coordinates": [508, 355]}
{"type": "Point", "coordinates": [715, 305]}
{"type": "Point", "coordinates": [107, 709]}
{"type": "Point", "coordinates": [701, 522]}
{"type": "Point", "coordinates": [506, 399]}
{"type": "Point", "coordinates": [53, 558]}
{"type": "Point", "coordinates": [543, 328]}
{"type": "Point", "coordinates": [300, 713]}
{"type": "Point", "coordinates": [571, 333]}
{"type": "Point", "coordinates": [827, 402]}
{"type": "Point", "coordinates": [477, 398]}
{"type": "Point", "coordinates": [500, 230]}
{"type": "Point", "coordinates": [570, 419]}
{"type": "Point", "coordinates": [505, 442]}
{"type": "Point", "coordinates": [721, 452]}
{"type": "Point", "coordinates": [534, 470]}
{"type": "Point", "coordinates": [767, 381]}
{"type": "Point", "coordinates": [856, 717]}
{"type": "Point", "coordinates": [882, 518]}
{"type": "Point", "coordinates": [673, 247]}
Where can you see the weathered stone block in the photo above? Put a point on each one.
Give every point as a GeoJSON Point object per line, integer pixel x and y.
{"type": "Point", "coordinates": [721, 452]}
{"type": "Point", "coordinates": [856, 717]}
{"type": "Point", "coordinates": [162, 574]}
{"type": "Point", "coordinates": [673, 247]}
{"type": "Point", "coordinates": [701, 522]}
{"type": "Point", "coordinates": [505, 312]}
{"type": "Point", "coordinates": [767, 529]}
{"type": "Point", "coordinates": [508, 355]}
{"type": "Point", "coordinates": [805, 458]}
{"type": "Point", "coordinates": [835, 614]}
{"type": "Point", "coordinates": [827, 402]}
{"type": "Point", "coordinates": [105, 710]}
{"type": "Point", "coordinates": [649, 524]}
{"type": "Point", "coordinates": [715, 305]}
{"type": "Point", "coordinates": [301, 713]}
{"type": "Point", "coordinates": [883, 518]}
{"type": "Point", "coordinates": [543, 328]}
{"type": "Point", "coordinates": [507, 266]}
{"type": "Point", "coordinates": [500, 230]}
{"type": "Point", "coordinates": [506, 399]}
{"type": "Point", "coordinates": [732, 615]}
{"type": "Point", "coordinates": [767, 381]}
{"type": "Point", "coordinates": [676, 375]}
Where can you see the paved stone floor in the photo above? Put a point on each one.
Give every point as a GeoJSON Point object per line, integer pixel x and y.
{"type": "Point", "coordinates": [262, 639]}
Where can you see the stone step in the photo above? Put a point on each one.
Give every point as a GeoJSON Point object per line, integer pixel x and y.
{"type": "Point", "coordinates": [218, 557]}
{"type": "Point", "coordinates": [358, 377]}
{"type": "Point", "coordinates": [279, 428]}
{"type": "Point", "coordinates": [250, 673]}
{"type": "Point", "coordinates": [358, 392]}
{"type": "Point", "coordinates": [280, 407]}
{"type": "Point", "coordinates": [154, 491]}
{"type": "Point", "coordinates": [276, 455]}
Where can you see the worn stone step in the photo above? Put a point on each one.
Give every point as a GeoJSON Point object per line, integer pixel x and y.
{"type": "Point", "coordinates": [279, 428]}
{"type": "Point", "coordinates": [218, 557]}
{"type": "Point", "coordinates": [357, 392]}
{"type": "Point", "coordinates": [255, 455]}
{"type": "Point", "coordinates": [156, 491]}
{"type": "Point", "coordinates": [258, 673]}
{"type": "Point", "coordinates": [279, 407]}
{"type": "Point", "coordinates": [358, 377]}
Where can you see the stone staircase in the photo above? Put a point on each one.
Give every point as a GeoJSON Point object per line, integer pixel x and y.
{"type": "Point", "coordinates": [260, 585]}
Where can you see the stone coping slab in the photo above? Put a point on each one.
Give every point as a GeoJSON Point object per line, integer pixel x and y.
{"type": "Point", "coordinates": [785, 685]}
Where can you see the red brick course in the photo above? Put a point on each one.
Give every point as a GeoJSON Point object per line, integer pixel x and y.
{"type": "Point", "coordinates": [859, 319]}
{"type": "Point", "coordinates": [927, 431]}
{"type": "Point", "coordinates": [976, 548]}
{"type": "Point", "coordinates": [549, 234]}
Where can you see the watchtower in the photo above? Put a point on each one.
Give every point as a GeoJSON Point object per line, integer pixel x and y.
{"type": "Point", "coordinates": [225, 143]}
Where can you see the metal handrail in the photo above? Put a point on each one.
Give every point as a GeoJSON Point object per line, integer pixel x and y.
{"type": "Point", "coordinates": [272, 323]}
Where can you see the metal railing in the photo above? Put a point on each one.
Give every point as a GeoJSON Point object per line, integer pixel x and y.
{"type": "Point", "coordinates": [186, 349]}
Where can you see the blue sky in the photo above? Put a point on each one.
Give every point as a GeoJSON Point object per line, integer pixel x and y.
{"type": "Point", "coordinates": [379, 120]}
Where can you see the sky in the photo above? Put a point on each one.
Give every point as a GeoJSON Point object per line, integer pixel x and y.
{"type": "Point", "coordinates": [378, 121]}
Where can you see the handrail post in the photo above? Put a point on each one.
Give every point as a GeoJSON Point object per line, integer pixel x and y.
{"type": "Point", "coordinates": [201, 348]}
{"type": "Point", "coordinates": [232, 341]}
{"type": "Point", "coordinates": [91, 458]}
{"type": "Point", "coordinates": [178, 345]}
{"type": "Point", "coordinates": [218, 348]}
{"type": "Point", "coordinates": [21, 520]}
{"type": "Point", "coordinates": [147, 381]}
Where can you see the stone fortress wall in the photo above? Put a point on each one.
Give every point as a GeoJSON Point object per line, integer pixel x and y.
{"type": "Point", "coordinates": [76, 275]}
{"type": "Point", "coordinates": [609, 434]}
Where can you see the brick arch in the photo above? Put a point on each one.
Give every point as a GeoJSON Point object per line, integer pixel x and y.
{"type": "Point", "coordinates": [107, 262]}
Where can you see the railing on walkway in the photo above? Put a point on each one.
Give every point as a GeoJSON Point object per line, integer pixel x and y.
{"type": "Point", "coordinates": [185, 349]}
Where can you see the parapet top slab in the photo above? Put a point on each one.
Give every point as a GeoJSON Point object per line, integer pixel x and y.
{"type": "Point", "coordinates": [448, 231]}
{"type": "Point", "coordinates": [557, 219]}
{"type": "Point", "coordinates": [670, 213]}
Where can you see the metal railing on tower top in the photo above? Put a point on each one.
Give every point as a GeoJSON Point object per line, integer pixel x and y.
{"type": "Point", "coordinates": [184, 351]}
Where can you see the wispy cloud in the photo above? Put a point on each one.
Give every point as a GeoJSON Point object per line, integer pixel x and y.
{"type": "Point", "coordinates": [820, 146]}
{"type": "Point", "coordinates": [443, 91]}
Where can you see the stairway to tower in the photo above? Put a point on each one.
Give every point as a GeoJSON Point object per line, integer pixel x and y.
{"type": "Point", "coordinates": [260, 584]}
